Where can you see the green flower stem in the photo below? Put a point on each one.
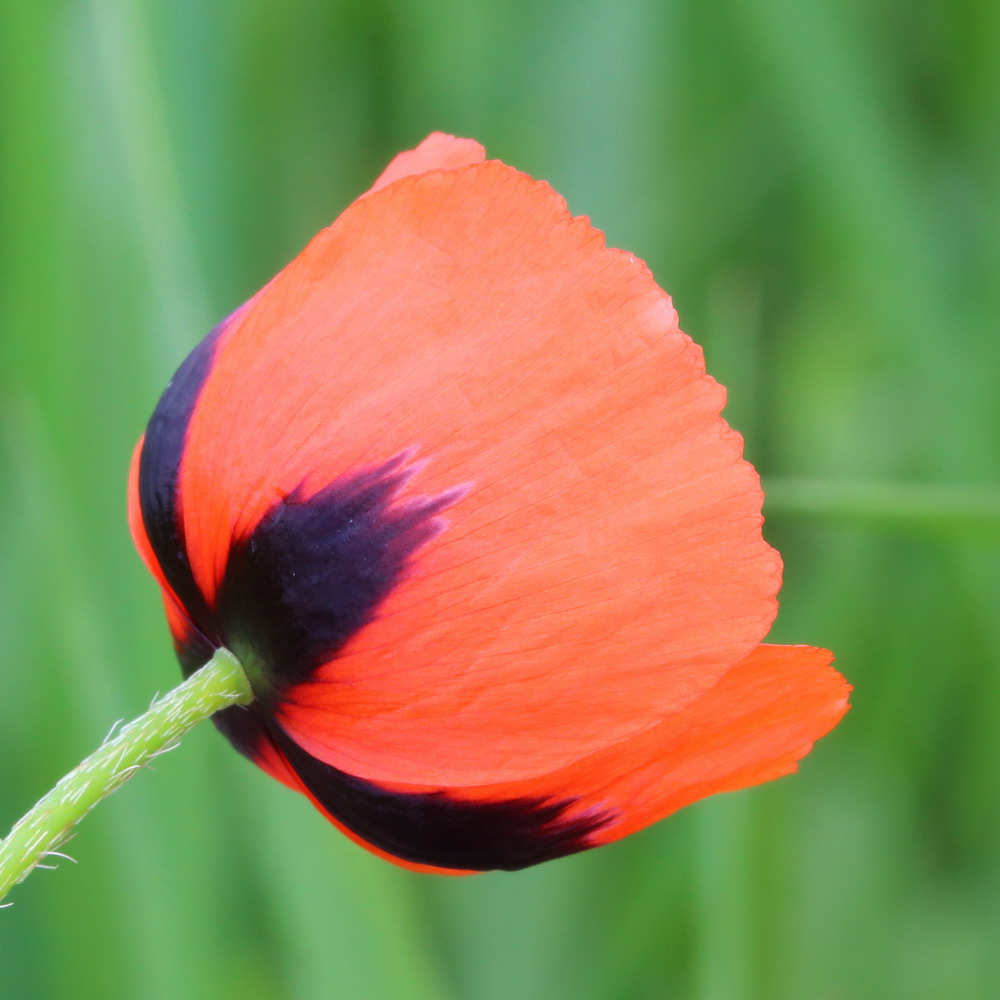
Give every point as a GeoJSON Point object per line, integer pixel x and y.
{"type": "Point", "coordinates": [217, 685]}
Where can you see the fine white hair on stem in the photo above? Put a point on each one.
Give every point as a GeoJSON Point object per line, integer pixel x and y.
{"type": "Point", "coordinates": [163, 750]}
{"type": "Point", "coordinates": [111, 731]}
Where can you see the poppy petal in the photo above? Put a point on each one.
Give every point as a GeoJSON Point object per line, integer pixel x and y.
{"type": "Point", "coordinates": [605, 564]}
{"type": "Point", "coordinates": [154, 514]}
{"type": "Point", "coordinates": [438, 151]}
{"type": "Point", "coordinates": [438, 829]}
{"type": "Point", "coordinates": [753, 726]}
{"type": "Point", "coordinates": [155, 517]}
{"type": "Point", "coordinates": [425, 830]}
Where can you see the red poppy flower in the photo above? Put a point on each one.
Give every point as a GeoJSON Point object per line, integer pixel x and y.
{"type": "Point", "coordinates": [456, 490]}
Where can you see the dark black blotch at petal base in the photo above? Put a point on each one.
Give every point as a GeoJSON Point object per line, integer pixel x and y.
{"type": "Point", "coordinates": [193, 650]}
{"type": "Point", "coordinates": [243, 727]}
{"type": "Point", "coordinates": [435, 828]}
{"type": "Point", "coordinates": [159, 466]}
{"type": "Point", "coordinates": [424, 828]}
{"type": "Point", "coordinates": [315, 570]}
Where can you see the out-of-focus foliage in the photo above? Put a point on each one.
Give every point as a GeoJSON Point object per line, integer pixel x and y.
{"type": "Point", "coordinates": [816, 184]}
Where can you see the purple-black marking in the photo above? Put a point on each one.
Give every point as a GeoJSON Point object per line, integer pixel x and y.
{"type": "Point", "coordinates": [159, 468]}
{"type": "Point", "coordinates": [315, 570]}
{"type": "Point", "coordinates": [432, 828]}
{"type": "Point", "coordinates": [427, 828]}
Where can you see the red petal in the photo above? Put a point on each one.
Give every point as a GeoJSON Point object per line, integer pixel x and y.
{"type": "Point", "coordinates": [606, 566]}
{"type": "Point", "coordinates": [753, 726]}
{"type": "Point", "coordinates": [135, 523]}
{"type": "Point", "coordinates": [438, 151]}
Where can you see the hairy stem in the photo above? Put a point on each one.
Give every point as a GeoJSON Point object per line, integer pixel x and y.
{"type": "Point", "coordinates": [49, 823]}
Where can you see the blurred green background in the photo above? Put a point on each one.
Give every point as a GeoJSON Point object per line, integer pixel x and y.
{"type": "Point", "coordinates": [816, 184]}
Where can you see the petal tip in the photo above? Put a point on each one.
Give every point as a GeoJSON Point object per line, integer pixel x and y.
{"type": "Point", "coordinates": [439, 151]}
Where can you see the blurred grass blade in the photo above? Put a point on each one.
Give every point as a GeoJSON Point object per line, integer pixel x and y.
{"type": "Point", "coordinates": [916, 508]}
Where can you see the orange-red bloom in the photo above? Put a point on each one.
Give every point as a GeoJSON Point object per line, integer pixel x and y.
{"type": "Point", "coordinates": [456, 490]}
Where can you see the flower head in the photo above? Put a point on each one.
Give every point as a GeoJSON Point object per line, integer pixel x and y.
{"type": "Point", "coordinates": [456, 490]}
